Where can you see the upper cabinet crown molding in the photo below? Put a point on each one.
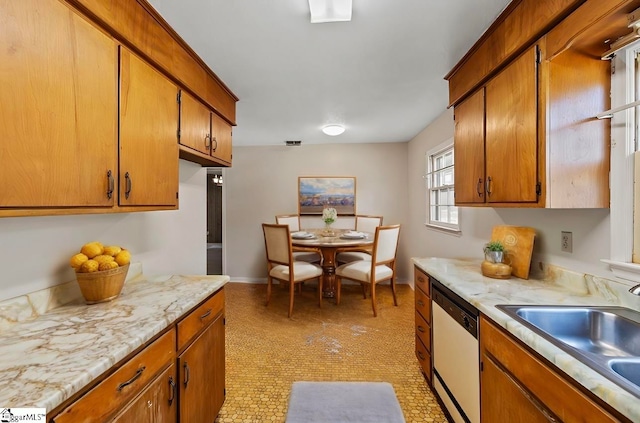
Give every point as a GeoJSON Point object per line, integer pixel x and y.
{"type": "Point", "coordinates": [140, 27]}
{"type": "Point", "coordinates": [518, 26]}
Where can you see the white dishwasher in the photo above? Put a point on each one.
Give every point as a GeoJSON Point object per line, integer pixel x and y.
{"type": "Point", "coordinates": [456, 354]}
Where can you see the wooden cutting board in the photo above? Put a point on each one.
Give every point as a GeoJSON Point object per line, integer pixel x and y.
{"type": "Point", "coordinates": [518, 241]}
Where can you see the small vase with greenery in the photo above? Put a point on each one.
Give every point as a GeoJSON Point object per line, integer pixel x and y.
{"type": "Point", "coordinates": [494, 252]}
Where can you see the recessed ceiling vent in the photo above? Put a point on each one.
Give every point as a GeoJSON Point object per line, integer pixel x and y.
{"type": "Point", "coordinates": [293, 143]}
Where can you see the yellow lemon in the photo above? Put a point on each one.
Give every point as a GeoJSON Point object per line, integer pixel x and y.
{"type": "Point", "coordinates": [123, 258]}
{"type": "Point", "coordinates": [89, 266]}
{"type": "Point", "coordinates": [92, 249]}
{"type": "Point", "coordinates": [103, 258]}
{"type": "Point", "coordinates": [77, 260]}
{"type": "Point", "coordinates": [111, 250]}
{"type": "Point", "coordinates": [108, 265]}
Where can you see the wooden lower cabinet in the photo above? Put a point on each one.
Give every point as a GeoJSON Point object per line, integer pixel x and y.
{"type": "Point", "coordinates": [423, 322]}
{"type": "Point", "coordinates": [518, 386]}
{"type": "Point", "coordinates": [180, 376]}
{"type": "Point", "coordinates": [158, 402]}
{"type": "Point", "coordinates": [201, 367]}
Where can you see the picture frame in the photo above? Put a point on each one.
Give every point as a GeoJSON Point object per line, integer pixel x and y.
{"type": "Point", "coordinates": [318, 192]}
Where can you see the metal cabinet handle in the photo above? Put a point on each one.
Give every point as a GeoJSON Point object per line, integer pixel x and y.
{"type": "Point", "coordinates": [420, 303]}
{"type": "Point", "coordinates": [127, 190]}
{"type": "Point", "coordinates": [479, 187]}
{"type": "Point", "coordinates": [207, 314]}
{"type": "Point", "coordinates": [421, 329]}
{"type": "Point", "coordinates": [422, 357]}
{"type": "Point", "coordinates": [133, 379]}
{"type": "Point", "coordinates": [187, 374]}
{"type": "Point", "coordinates": [216, 141]}
{"type": "Point", "coordinates": [110, 183]}
{"type": "Point", "coordinates": [172, 388]}
{"type": "Point", "coordinates": [207, 141]}
{"type": "Point", "coordinates": [488, 186]}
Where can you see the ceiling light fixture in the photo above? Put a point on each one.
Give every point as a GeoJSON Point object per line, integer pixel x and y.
{"type": "Point", "coordinates": [333, 130]}
{"type": "Point", "coordinates": [330, 10]}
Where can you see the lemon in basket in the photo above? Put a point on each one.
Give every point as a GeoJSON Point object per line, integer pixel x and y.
{"type": "Point", "coordinates": [92, 249]}
{"type": "Point", "coordinates": [77, 260]}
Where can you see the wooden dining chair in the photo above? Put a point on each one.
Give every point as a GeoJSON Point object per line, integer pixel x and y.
{"type": "Point", "coordinates": [380, 268]}
{"type": "Point", "coordinates": [363, 224]}
{"type": "Point", "coordinates": [282, 266]}
{"type": "Point", "coordinates": [311, 255]}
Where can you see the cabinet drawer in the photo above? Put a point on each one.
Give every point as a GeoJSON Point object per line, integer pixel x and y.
{"type": "Point", "coordinates": [423, 331]}
{"type": "Point", "coordinates": [117, 390]}
{"type": "Point", "coordinates": [199, 318]}
{"type": "Point", "coordinates": [423, 305]}
{"type": "Point", "coordinates": [421, 281]}
{"type": "Point", "coordinates": [424, 358]}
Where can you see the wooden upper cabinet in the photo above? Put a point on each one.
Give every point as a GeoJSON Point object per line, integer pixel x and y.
{"type": "Point", "coordinates": [148, 135]}
{"type": "Point", "coordinates": [58, 108]}
{"type": "Point", "coordinates": [195, 124]}
{"type": "Point", "coordinates": [221, 140]}
{"type": "Point", "coordinates": [469, 150]}
{"type": "Point", "coordinates": [511, 132]}
{"type": "Point", "coordinates": [496, 138]}
{"type": "Point", "coordinates": [205, 137]}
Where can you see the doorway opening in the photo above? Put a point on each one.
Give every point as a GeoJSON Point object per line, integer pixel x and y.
{"type": "Point", "coordinates": [215, 182]}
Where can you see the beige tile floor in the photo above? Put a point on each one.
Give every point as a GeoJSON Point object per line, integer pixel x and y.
{"type": "Point", "coordinates": [267, 352]}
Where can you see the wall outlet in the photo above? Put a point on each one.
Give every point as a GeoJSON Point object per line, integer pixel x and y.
{"type": "Point", "coordinates": [566, 242]}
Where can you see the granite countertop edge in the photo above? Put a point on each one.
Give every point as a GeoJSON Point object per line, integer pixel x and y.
{"type": "Point", "coordinates": [463, 276]}
{"type": "Point", "coordinates": [51, 357]}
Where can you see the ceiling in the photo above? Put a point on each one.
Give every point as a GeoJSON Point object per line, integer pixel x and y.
{"type": "Point", "coordinates": [380, 75]}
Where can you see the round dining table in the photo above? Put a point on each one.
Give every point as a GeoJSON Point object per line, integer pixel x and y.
{"type": "Point", "coordinates": [329, 242]}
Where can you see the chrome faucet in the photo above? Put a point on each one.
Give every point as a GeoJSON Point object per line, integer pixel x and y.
{"type": "Point", "coordinates": [635, 290]}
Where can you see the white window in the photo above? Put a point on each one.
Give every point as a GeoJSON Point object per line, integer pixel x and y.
{"type": "Point", "coordinates": [625, 84]}
{"type": "Point", "coordinates": [441, 211]}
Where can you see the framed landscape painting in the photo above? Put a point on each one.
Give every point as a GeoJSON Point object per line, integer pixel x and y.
{"type": "Point", "coordinates": [317, 192]}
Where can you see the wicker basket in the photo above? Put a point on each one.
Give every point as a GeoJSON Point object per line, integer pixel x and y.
{"type": "Point", "coordinates": [99, 287]}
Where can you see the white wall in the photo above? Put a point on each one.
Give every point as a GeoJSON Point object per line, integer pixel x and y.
{"type": "Point", "coordinates": [590, 227]}
{"type": "Point", "coordinates": [263, 182]}
{"type": "Point", "coordinates": [35, 251]}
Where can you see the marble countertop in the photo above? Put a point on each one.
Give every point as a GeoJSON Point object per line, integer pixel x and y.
{"type": "Point", "coordinates": [48, 357]}
{"type": "Point", "coordinates": [551, 287]}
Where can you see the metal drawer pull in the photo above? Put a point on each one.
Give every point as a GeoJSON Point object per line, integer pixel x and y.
{"type": "Point", "coordinates": [133, 379]}
{"type": "Point", "coordinates": [421, 329]}
{"type": "Point", "coordinates": [422, 357]}
{"type": "Point", "coordinates": [172, 386]}
{"type": "Point", "coordinates": [111, 184]}
{"type": "Point", "coordinates": [127, 190]}
{"type": "Point", "coordinates": [204, 316]}
{"type": "Point", "coordinates": [187, 374]}
{"type": "Point", "coordinates": [488, 186]}
{"type": "Point", "coordinates": [420, 303]}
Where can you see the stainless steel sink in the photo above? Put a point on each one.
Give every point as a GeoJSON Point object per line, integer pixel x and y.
{"type": "Point", "coordinates": [607, 339]}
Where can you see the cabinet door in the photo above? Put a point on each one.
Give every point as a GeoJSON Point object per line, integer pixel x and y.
{"type": "Point", "coordinates": [157, 403]}
{"type": "Point", "coordinates": [148, 135]}
{"type": "Point", "coordinates": [468, 148]}
{"type": "Point", "coordinates": [58, 107]}
{"type": "Point", "coordinates": [511, 132]}
{"type": "Point", "coordinates": [498, 389]}
{"type": "Point", "coordinates": [195, 124]}
{"type": "Point", "coordinates": [201, 368]}
{"type": "Point", "coordinates": [221, 144]}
